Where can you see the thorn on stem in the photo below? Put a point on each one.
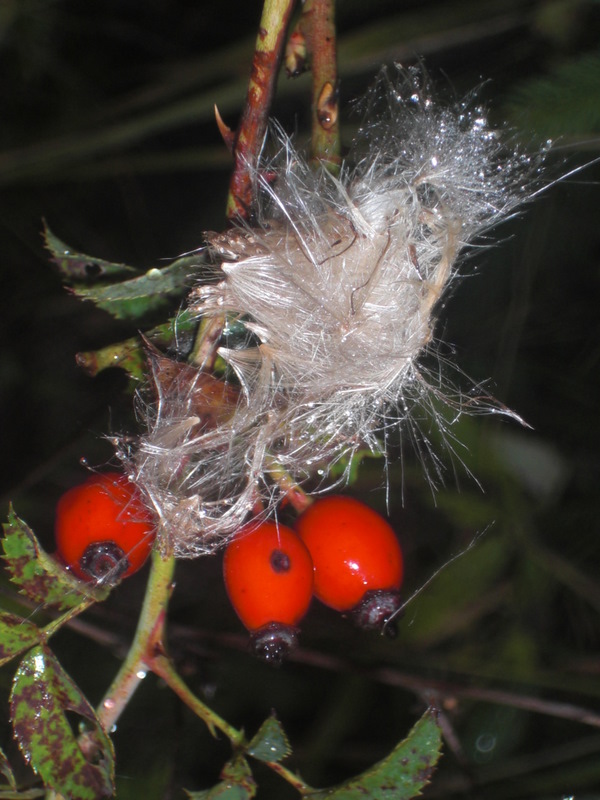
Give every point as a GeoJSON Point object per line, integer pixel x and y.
{"type": "Point", "coordinates": [296, 54]}
{"type": "Point", "coordinates": [327, 106]}
{"type": "Point", "coordinates": [227, 134]}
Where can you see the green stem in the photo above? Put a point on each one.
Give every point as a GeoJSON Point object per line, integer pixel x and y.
{"type": "Point", "coordinates": [148, 641]}
{"type": "Point", "coordinates": [325, 145]}
{"type": "Point", "coordinates": [298, 498]}
{"type": "Point", "coordinates": [57, 624]}
{"type": "Point", "coordinates": [163, 667]}
{"type": "Point", "coordinates": [293, 779]}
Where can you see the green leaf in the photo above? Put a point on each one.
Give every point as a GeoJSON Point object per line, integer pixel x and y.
{"type": "Point", "coordinates": [130, 354]}
{"type": "Point", "coordinates": [133, 298]}
{"type": "Point", "coordinates": [75, 266]}
{"type": "Point", "coordinates": [38, 575]}
{"type": "Point", "coordinates": [270, 742]}
{"type": "Point", "coordinates": [16, 636]}
{"type": "Point", "coordinates": [127, 355]}
{"type": "Point", "coordinates": [42, 695]}
{"type": "Point", "coordinates": [401, 775]}
{"type": "Point", "coordinates": [6, 771]}
{"type": "Point", "coordinates": [237, 784]}
{"type": "Point", "coordinates": [109, 286]}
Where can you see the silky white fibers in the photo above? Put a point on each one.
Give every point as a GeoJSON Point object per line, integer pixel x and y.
{"type": "Point", "coordinates": [336, 286]}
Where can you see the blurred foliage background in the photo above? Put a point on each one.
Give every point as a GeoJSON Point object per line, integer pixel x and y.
{"type": "Point", "coordinates": [107, 132]}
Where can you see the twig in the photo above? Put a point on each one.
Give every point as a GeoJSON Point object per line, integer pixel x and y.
{"type": "Point", "coordinates": [498, 696]}
{"type": "Point", "coordinates": [567, 573]}
{"type": "Point", "coordinates": [253, 124]}
{"type": "Point", "coordinates": [394, 677]}
{"type": "Point", "coordinates": [320, 31]}
{"type": "Point", "coordinates": [163, 667]}
{"type": "Point", "coordinates": [147, 643]}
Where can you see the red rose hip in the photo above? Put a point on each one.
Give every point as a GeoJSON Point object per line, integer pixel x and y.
{"type": "Point", "coordinates": [268, 575]}
{"type": "Point", "coordinates": [357, 559]}
{"type": "Point", "coordinates": [103, 530]}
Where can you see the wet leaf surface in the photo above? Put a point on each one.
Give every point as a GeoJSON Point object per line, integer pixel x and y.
{"type": "Point", "coordinates": [37, 574]}
{"type": "Point", "coordinates": [74, 266]}
{"type": "Point", "coordinates": [41, 697]}
{"type": "Point", "coordinates": [16, 635]}
{"type": "Point", "coordinates": [270, 742]}
{"type": "Point", "coordinates": [399, 776]}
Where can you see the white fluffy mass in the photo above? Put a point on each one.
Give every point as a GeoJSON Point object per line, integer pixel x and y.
{"type": "Point", "coordinates": [335, 290]}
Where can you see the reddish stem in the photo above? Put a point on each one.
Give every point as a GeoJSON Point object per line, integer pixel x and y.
{"type": "Point", "coordinates": [253, 124]}
{"type": "Point", "coordinates": [294, 494]}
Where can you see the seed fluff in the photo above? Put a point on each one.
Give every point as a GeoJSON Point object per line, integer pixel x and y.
{"type": "Point", "coordinates": [335, 290]}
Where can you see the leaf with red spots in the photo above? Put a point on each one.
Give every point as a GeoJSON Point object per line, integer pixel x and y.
{"type": "Point", "coordinates": [37, 574]}
{"type": "Point", "coordinates": [16, 636]}
{"type": "Point", "coordinates": [42, 695]}
{"type": "Point", "coordinates": [399, 776]}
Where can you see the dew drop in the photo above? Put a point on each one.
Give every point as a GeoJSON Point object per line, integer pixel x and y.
{"type": "Point", "coordinates": [485, 743]}
{"type": "Point", "coordinates": [209, 690]}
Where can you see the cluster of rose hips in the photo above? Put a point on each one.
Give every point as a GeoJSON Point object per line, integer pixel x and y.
{"type": "Point", "coordinates": [340, 551]}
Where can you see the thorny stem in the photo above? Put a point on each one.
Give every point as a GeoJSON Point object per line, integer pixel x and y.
{"type": "Point", "coordinates": [147, 652]}
{"type": "Point", "coordinates": [163, 667]}
{"type": "Point", "coordinates": [320, 30]}
{"type": "Point", "coordinates": [253, 124]}
{"type": "Point", "coordinates": [293, 779]}
{"type": "Point", "coordinates": [248, 142]}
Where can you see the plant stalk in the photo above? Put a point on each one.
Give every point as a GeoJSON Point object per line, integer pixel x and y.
{"type": "Point", "coordinates": [261, 88]}
{"type": "Point", "coordinates": [148, 641]}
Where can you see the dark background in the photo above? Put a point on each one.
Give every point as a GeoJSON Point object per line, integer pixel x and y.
{"type": "Point", "coordinates": [107, 133]}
